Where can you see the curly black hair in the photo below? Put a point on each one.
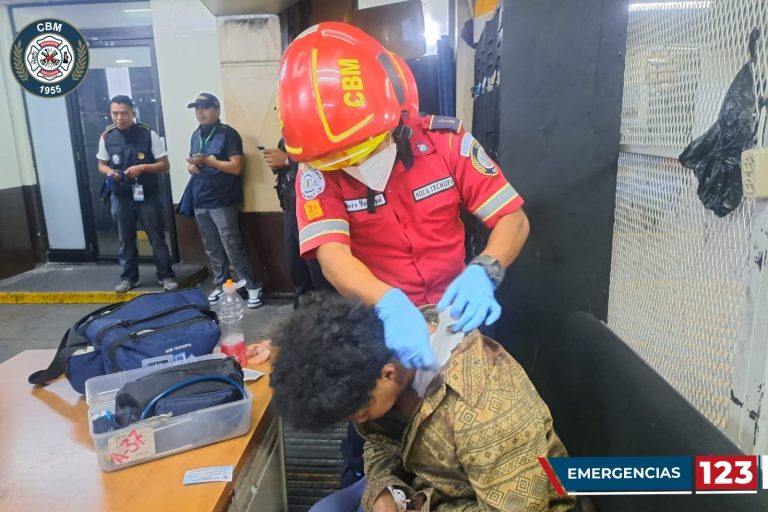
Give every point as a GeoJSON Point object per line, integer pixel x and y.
{"type": "Point", "coordinates": [330, 354]}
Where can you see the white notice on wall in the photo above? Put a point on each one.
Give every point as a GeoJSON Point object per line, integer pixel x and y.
{"type": "Point", "coordinates": [118, 82]}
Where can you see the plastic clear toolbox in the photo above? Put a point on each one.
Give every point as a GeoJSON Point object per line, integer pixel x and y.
{"type": "Point", "coordinates": [159, 436]}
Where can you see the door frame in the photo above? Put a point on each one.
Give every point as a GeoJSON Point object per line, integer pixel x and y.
{"type": "Point", "coordinates": [112, 38]}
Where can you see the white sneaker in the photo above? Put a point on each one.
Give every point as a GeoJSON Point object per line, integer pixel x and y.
{"type": "Point", "coordinates": [215, 295]}
{"type": "Point", "coordinates": [126, 285]}
{"type": "Point", "coordinates": [254, 298]}
{"type": "Point", "coordinates": [169, 283]}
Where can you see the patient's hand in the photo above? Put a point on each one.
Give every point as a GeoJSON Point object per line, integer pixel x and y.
{"type": "Point", "coordinates": [385, 502]}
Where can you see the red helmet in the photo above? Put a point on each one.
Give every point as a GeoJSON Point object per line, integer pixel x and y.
{"type": "Point", "coordinates": [339, 95]}
{"type": "Point", "coordinates": [411, 105]}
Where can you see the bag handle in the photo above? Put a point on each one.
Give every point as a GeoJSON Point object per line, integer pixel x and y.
{"type": "Point", "coordinates": [150, 407]}
{"type": "Point", "coordinates": [71, 342]}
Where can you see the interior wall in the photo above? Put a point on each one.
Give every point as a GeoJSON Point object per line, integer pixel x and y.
{"type": "Point", "coordinates": [249, 55]}
{"type": "Point", "coordinates": [187, 50]}
{"type": "Point", "coordinates": [17, 174]}
{"type": "Point", "coordinates": [17, 168]}
{"type": "Point", "coordinates": [560, 114]}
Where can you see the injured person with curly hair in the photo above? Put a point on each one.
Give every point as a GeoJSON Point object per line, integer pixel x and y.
{"type": "Point", "coordinates": [464, 437]}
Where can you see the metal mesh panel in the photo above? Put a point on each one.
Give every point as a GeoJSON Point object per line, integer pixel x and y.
{"type": "Point", "coordinates": [678, 272]}
{"type": "Point", "coordinates": [680, 61]}
{"type": "Point", "coordinates": [677, 279]}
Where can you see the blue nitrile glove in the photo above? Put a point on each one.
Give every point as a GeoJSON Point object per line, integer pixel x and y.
{"type": "Point", "coordinates": [405, 331]}
{"type": "Point", "coordinates": [472, 300]}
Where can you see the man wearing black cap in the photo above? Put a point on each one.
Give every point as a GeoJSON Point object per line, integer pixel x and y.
{"type": "Point", "coordinates": [216, 165]}
{"type": "Point", "coordinates": [131, 155]}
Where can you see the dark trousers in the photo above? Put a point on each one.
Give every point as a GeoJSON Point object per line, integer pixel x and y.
{"type": "Point", "coordinates": [352, 468]}
{"type": "Point", "coordinates": [126, 213]}
{"type": "Point", "coordinates": [306, 275]}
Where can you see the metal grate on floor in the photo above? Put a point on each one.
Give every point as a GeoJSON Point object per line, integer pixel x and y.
{"type": "Point", "coordinates": [312, 465]}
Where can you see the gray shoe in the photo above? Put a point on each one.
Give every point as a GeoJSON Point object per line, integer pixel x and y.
{"type": "Point", "coordinates": [168, 283]}
{"type": "Point", "coordinates": [124, 286]}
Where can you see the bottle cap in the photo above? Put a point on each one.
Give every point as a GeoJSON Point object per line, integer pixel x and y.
{"type": "Point", "coordinates": [229, 286]}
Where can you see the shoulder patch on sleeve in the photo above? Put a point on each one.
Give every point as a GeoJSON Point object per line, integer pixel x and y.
{"type": "Point", "coordinates": [144, 125]}
{"type": "Point", "coordinates": [109, 128]}
{"type": "Point", "coordinates": [481, 161]}
{"type": "Point", "coordinates": [312, 183]}
{"type": "Point", "coordinates": [443, 123]}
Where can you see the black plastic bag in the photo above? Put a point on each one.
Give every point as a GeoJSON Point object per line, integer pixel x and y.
{"type": "Point", "coordinates": [715, 157]}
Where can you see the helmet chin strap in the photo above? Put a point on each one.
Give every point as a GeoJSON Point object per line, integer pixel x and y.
{"type": "Point", "coordinates": [371, 201]}
{"type": "Point", "coordinates": [402, 133]}
{"type": "Point", "coordinates": [402, 136]}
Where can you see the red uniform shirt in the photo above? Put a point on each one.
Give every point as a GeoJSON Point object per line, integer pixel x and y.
{"type": "Point", "coordinates": [415, 240]}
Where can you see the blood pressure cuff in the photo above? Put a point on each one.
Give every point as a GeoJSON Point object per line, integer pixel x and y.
{"type": "Point", "coordinates": [179, 390]}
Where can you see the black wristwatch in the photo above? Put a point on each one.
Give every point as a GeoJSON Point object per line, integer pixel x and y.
{"type": "Point", "coordinates": [492, 267]}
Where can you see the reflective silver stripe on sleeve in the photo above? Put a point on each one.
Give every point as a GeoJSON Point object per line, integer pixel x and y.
{"type": "Point", "coordinates": [323, 227]}
{"type": "Point", "coordinates": [496, 202]}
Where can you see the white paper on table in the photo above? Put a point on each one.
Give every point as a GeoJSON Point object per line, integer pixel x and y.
{"type": "Point", "coordinates": [211, 474]}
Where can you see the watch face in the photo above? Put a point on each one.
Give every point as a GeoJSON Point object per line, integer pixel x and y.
{"type": "Point", "coordinates": [492, 267]}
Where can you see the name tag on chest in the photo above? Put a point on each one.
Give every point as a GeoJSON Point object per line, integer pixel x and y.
{"type": "Point", "coordinates": [357, 205]}
{"type": "Point", "coordinates": [433, 188]}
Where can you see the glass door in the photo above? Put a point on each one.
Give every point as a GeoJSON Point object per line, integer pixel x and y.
{"type": "Point", "coordinates": [117, 67]}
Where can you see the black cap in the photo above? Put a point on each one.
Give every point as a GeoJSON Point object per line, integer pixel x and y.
{"type": "Point", "coordinates": [205, 100]}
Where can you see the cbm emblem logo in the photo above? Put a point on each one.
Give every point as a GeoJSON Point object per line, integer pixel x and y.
{"type": "Point", "coordinates": [49, 58]}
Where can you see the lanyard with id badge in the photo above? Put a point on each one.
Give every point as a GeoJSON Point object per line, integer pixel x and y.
{"type": "Point", "coordinates": [138, 191]}
{"type": "Point", "coordinates": [204, 142]}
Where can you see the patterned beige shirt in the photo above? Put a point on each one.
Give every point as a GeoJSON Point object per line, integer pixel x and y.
{"type": "Point", "coordinates": [474, 441]}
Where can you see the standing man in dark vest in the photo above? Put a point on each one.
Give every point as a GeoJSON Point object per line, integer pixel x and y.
{"type": "Point", "coordinates": [132, 155]}
{"type": "Point", "coordinates": [216, 165]}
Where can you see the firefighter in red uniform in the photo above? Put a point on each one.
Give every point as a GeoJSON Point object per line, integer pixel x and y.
{"type": "Point", "coordinates": [380, 188]}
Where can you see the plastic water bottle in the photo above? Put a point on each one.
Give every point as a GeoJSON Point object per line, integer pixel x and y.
{"type": "Point", "coordinates": [231, 322]}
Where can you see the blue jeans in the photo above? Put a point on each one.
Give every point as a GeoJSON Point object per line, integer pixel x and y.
{"type": "Point", "coordinates": [346, 500]}
{"type": "Point", "coordinates": [125, 213]}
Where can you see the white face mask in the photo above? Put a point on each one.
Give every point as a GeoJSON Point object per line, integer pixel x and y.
{"type": "Point", "coordinates": [374, 172]}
